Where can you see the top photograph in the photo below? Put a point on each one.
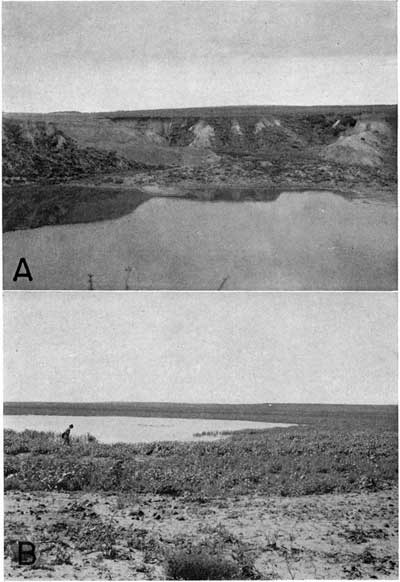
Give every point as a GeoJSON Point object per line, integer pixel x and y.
{"type": "Point", "coordinates": [199, 145]}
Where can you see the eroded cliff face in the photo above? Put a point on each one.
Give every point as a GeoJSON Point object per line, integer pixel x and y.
{"type": "Point", "coordinates": [145, 139]}
{"type": "Point", "coordinates": [83, 143]}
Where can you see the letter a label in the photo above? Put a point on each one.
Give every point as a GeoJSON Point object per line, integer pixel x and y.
{"type": "Point", "coordinates": [22, 270]}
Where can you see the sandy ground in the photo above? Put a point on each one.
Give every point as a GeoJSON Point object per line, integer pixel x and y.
{"type": "Point", "coordinates": [327, 536]}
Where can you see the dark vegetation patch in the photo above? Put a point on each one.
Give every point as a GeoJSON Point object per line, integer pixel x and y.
{"type": "Point", "coordinates": [287, 462]}
{"type": "Point", "coordinates": [216, 554]}
{"type": "Point", "coordinates": [384, 566]}
{"type": "Point", "coordinates": [362, 535]}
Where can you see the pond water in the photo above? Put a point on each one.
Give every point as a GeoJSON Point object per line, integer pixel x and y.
{"type": "Point", "coordinates": [129, 429]}
{"type": "Point", "coordinates": [300, 241]}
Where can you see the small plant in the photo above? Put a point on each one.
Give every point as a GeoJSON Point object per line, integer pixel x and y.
{"type": "Point", "coordinates": [90, 282]}
{"type": "Point", "coordinates": [128, 271]}
{"type": "Point", "coordinates": [11, 483]}
{"type": "Point", "coordinates": [276, 467]}
{"type": "Point", "coordinates": [197, 564]}
{"type": "Point", "coordinates": [62, 556]}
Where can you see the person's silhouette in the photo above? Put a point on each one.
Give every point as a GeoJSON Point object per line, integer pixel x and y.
{"type": "Point", "coordinates": [66, 435]}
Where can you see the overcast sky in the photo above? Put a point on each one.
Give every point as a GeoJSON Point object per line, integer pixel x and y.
{"type": "Point", "coordinates": [93, 56]}
{"type": "Point", "coordinates": [200, 347]}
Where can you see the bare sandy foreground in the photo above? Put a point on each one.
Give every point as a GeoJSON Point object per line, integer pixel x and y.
{"type": "Point", "coordinates": [346, 536]}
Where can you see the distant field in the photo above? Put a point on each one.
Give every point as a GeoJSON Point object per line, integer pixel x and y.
{"type": "Point", "coordinates": [256, 110]}
{"type": "Point", "coordinates": [311, 414]}
{"type": "Point", "coordinates": [227, 111]}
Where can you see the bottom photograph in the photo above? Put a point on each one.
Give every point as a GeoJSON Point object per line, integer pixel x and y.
{"type": "Point", "coordinates": [200, 436]}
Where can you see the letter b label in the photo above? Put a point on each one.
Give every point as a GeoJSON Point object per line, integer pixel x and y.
{"type": "Point", "coordinates": [26, 553]}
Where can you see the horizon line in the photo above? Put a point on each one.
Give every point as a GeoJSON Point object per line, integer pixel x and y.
{"type": "Point", "coordinates": [76, 111]}
{"type": "Point", "coordinates": [108, 402]}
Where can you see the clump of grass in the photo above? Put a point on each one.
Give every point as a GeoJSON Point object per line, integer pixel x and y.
{"type": "Point", "coordinates": [85, 439]}
{"type": "Point", "coordinates": [216, 433]}
{"type": "Point", "coordinates": [12, 483]}
{"type": "Point", "coordinates": [213, 433]}
{"type": "Point", "coordinates": [217, 554]}
{"type": "Point", "coordinates": [197, 564]}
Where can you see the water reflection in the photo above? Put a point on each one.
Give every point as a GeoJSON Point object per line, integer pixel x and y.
{"type": "Point", "coordinates": [299, 241]}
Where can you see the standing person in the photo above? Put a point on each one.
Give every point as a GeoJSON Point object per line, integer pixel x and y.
{"type": "Point", "coordinates": [66, 435]}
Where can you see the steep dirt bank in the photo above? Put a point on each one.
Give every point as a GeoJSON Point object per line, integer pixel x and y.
{"type": "Point", "coordinates": [197, 137]}
{"type": "Point", "coordinates": [39, 151]}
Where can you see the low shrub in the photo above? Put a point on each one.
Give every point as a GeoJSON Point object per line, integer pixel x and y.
{"type": "Point", "coordinates": [217, 554]}
{"type": "Point", "coordinates": [12, 483]}
{"type": "Point", "coordinates": [197, 564]}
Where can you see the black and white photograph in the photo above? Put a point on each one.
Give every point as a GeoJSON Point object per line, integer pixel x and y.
{"type": "Point", "coordinates": [200, 305]}
{"type": "Point", "coordinates": [200, 145]}
{"type": "Point", "coordinates": [165, 436]}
